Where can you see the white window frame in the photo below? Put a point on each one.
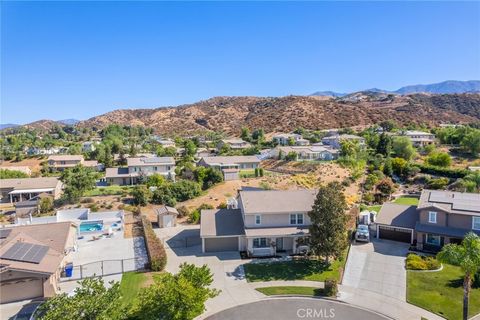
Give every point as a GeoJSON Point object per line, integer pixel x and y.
{"type": "Point", "coordinates": [259, 240]}
{"type": "Point", "coordinates": [430, 214]}
{"type": "Point", "coordinates": [259, 222]}
{"type": "Point", "coordinates": [476, 220]}
{"type": "Point", "coordinates": [296, 215]}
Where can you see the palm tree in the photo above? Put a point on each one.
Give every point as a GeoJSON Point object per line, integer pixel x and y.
{"type": "Point", "coordinates": [467, 257]}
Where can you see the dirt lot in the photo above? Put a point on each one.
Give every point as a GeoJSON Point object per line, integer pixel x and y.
{"type": "Point", "coordinates": [33, 163]}
{"type": "Point", "coordinates": [303, 176]}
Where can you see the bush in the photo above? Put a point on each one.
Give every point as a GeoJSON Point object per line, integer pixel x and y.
{"type": "Point", "coordinates": [183, 211]}
{"type": "Point", "coordinates": [86, 200]}
{"type": "Point", "coordinates": [184, 190]}
{"type": "Point", "coordinates": [331, 288]}
{"type": "Point", "coordinates": [194, 216]}
{"type": "Point", "coordinates": [416, 262]}
{"type": "Point", "coordinates": [93, 207]}
{"type": "Point", "coordinates": [445, 172]}
{"type": "Point", "coordinates": [46, 205]}
{"type": "Point", "coordinates": [141, 195]}
{"type": "Point", "coordinates": [440, 159]}
{"type": "Point", "coordinates": [155, 249]}
{"type": "Point", "coordinates": [437, 183]}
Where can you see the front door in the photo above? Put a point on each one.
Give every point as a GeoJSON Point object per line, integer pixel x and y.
{"type": "Point", "coordinates": [279, 244]}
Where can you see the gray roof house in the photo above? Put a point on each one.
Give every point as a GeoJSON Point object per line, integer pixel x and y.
{"type": "Point", "coordinates": [14, 190]}
{"type": "Point", "coordinates": [139, 167]}
{"type": "Point", "coordinates": [441, 217]}
{"type": "Point", "coordinates": [262, 223]}
{"type": "Point", "coordinates": [230, 165]}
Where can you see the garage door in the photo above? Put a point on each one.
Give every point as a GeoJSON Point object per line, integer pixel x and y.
{"type": "Point", "coordinates": [21, 289]}
{"type": "Point", "coordinates": [228, 176]}
{"type": "Point", "coordinates": [396, 234]}
{"type": "Point", "coordinates": [221, 244]}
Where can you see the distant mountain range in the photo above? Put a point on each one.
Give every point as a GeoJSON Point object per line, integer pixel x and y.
{"type": "Point", "coordinates": [445, 87]}
{"type": "Point", "coordinates": [41, 124]}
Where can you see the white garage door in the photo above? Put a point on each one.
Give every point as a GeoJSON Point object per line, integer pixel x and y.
{"type": "Point", "coordinates": [22, 289]}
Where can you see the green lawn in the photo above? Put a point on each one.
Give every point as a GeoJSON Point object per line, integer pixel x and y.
{"type": "Point", "coordinates": [107, 191]}
{"type": "Point", "coordinates": [411, 201]}
{"type": "Point", "coordinates": [375, 208]}
{"type": "Point", "coordinates": [441, 292]}
{"type": "Point", "coordinates": [314, 270]}
{"type": "Point", "coordinates": [131, 284]}
{"type": "Point", "coordinates": [293, 290]}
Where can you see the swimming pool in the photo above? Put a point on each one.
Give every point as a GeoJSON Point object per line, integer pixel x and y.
{"type": "Point", "coordinates": [91, 226]}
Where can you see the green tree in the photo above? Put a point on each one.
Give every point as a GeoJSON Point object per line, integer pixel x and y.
{"type": "Point", "coordinates": [164, 195]}
{"type": "Point", "coordinates": [155, 180]}
{"type": "Point", "coordinates": [291, 141]}
{"type": "Point", "coordinates": [403, 148]}
{"type": "Point", "coordinates": [384, 146]}
{"type": "Point", "coordinates": [388, 125]}
{"type": "Point", "coordinates": [245, 134]}
{"type": "Point", "coordinates": [45, 205]}
{"type": "Point", "coordinates": [399, 166]}
{"type": "Point", "coordinates": [175, 297]}
{"type": "Point", "coordinates": [92, 300]}
{"type": "Point", "coordinates": [190, 149]}
{"type": "Point", "coordinates": [328, 231]}
{"type": "Point", "coordinates": [141, 195]}
{"type": "Point", "coordinates": [467, 257]}
{"type": "Point", "coordinates": [291, 156]}
{"type": "Point", "coordinates": [386, 187]}
{"type": "Point", "coordinates": [471, 142]}
{"type": "Point", "coordinates": [75, 149]}
{"type": "Point", "coordinates": [77, 181]}
{"type": "Point", "coordinates": [11, 174]}
{"type": "Point", "coordinates": [440, 159]}
{"type": "Point", "coordinates": [388, 167]}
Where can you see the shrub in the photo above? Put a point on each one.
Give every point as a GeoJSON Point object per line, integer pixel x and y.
{"type": "Point", "coordinates": [141, 195]}
{"type": "Point", "coordinates": [183, 211]}
{"type": "Point", "coordinates": [331, 287]}
{"type": "Point", "coordinates": [416, 262]}
{"type": "Point", "coordinates": [93, 207]}
{"type": "Point", "coordinates": [86, 200]}
{"type": "Point", "coordinates": [155, 249]}
{"type": "Point", "coordinates": [446, 172]}
{"type": "Point", "coordinates": [260, 172]}
{"type": "Point", "coordinates": [222, 205]}
{"type": "Point", "coordinates": [437, 183]}
{"type": "Point", "coordinates": [46, 205]}
{"type": "Point", "coordinates": [440, 159]}
{"type": "Point", "coordinates": [194, 216]}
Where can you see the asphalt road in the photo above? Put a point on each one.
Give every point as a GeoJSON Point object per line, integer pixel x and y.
{"type": "Point", "coordinates": [295, 309]}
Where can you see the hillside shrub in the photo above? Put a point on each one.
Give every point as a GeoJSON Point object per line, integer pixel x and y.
{"type": "Point", "coordinates": [155, 249]}
{"type": "Point", "coordinates": [416, 262]}
{"type": "Point", "coordinates": [445, 172]}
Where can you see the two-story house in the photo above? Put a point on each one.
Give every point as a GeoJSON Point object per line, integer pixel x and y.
{"type": "Point", "coordinates": [441, 217]}
{"type": "Point", "coordinates": [140, 167]}
{"type": "Point", "coordinates": [292, 139]}
{"type": "Point", "coordinates": [67, 161]}
{"type": "Point", "coordinates": [230, 165]}
{"type": "Point", "coordinates": [261, 222]}
{"type": "Point", "coordinates": [418, 138]}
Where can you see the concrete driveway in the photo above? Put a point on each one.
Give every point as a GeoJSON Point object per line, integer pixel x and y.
{"type": "Point", "coordinates": [378, 266]}
{"type": "Point", "coordinates": [228, 274]}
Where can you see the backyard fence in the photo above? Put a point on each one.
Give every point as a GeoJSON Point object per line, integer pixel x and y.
{"type": "Point", "coordinates": [105, 268]}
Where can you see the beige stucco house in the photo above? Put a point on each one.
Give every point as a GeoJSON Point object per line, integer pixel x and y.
{"type": "Point", "coordinates": [62, 162]}
{"type": "Point", "coordinates": [14, 190]}
{"type": "Point", "coordinates": [230, 165]}
{"type": "Point", "coordinates": [262, 223]}
{"type": "Point", "coordinates": [32, 257]}
{"type": "Point", "coordinates": [140, 167]}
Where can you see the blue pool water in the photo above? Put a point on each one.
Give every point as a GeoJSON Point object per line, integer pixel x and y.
{"type": "Point", "coordinates": [91, 226]}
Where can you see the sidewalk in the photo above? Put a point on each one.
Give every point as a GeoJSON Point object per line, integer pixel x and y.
{"type": "Point", "coordinates": [388, 306]}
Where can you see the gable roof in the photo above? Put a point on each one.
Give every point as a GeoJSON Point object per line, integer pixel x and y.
{"type": "Point", "coordinates": [230, 160]}
{"type": "Point", "coordinates": [452, 202]}
{"type": "Point", "coordinates": [29, 183]}
{"type": "Point", "coordinates": [397, 215]}
{"type": "Point", "coordinates": [221, 222]}
{"type": "Point", "coordinates": [65, 157]}
{"type": "Point", "coordinates": [277, 201]}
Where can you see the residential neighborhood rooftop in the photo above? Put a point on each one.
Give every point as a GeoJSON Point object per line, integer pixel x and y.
{"type": "Point", "coordinates": [450, 201]}
{"type": "Point", "coordinates": [144, 161]}
{"type": "Point", "coordinates": [230, 160]}
{"type": "Point", "coordinates": [30, 183]}
{"type": "Point", "coordinates": [277, 201]}
{"type": "Point", "coordinates": [221, 222]}
{"type": "Point", "coordinates": [398, 215]}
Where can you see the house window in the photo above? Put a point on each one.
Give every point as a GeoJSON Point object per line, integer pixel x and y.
{"type": "Point", "coordinates": [154, 168]}
{"type": "Point", "coordinates": [258, 219]}
{"type": "Point", "coordinates": [432, 217]}
{"type": "Point", "coordinates": [260, 243]}
{"type": "Point", "coordinates": [476, 223]}
{"type": "Point", "coordinates": [296, 218]}
{"type": "Point", "coordinates": [433, 240]}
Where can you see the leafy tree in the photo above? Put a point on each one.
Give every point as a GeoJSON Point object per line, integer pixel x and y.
{"type": "Point", "coordinates": [437, 183]}
{"type": "Point", "coordinates": [474, 177]}
{"type": "Point", "coordinates": [291, 156]}
{"type": "Point", "coordinates": [429, 148]}
{"type": "Point", "coordinates": [349, 148]}
{"type": "Point", "coordinates": [175, 297]}
{"type": "Point", "coordinates": [77, 181]}
{"type": "Point", "coordinates": [399, 166]}
{"type": "Point", "coordinates": [388, 167]}
{"type": "Point", "coordinates": [403, 148]}
{"type": "Point", "coordinates": [164, 195]}
{"type": "Point", "coordinates": [388, 125]}
{"type": "Point", "coordinates": [155, 180]}
{"type": "Point", "coordinates": [46, 205]}
{"type": "Point", "coordinates": [384, 146]}
{"type": "Point", "coordinates": [467, 257]}
{"type": "Point", "coordinates": [328, 232]}
{"type": "Point", "coordinates": [141, 195]}
{"type": "Point", "coordinates": [184, 190]}
{"type": "Point", "coordinates": [291, 141]}
{"type": "Point", "coordinates": [245, 134]}
{"type": "Point", "coordinates": [471, 142]}
{"type": "Point", "coordinates": [440, 159]}
{"type": "Point", "coordinates": [258, 136]}
{"type": "Point", "coordinates": [75, 149]}
{"type": "Point", "coordinates": [92, 300]}
{"type": "Point", "coordinates": [386, 187]}
{"type": "Point", "coordinates": [12, 174]}
{"type": "Point", "coordinates": [190, 148]}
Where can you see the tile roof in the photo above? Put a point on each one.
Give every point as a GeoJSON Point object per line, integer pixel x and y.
{"type": "Point", "coordinates": [29, 183]}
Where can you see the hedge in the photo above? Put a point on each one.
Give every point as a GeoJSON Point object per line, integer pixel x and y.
{"type": "Point", "coordinates": [155, 249]}
{"type": "Point", "coordinates": [446, 172]}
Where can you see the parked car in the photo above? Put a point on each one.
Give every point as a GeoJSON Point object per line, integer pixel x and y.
{"type": "Point", "coordinates": [362, 233]}
{"type": "Point", "coordinates": [30, 311]}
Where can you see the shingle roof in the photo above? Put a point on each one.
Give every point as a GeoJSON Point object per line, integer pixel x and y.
{"type": "Point", "coordinates": [65, 157]}
{"type": "Point", "coordinates": [221, 222]}
{"type": "Point", "coordinates": [398, 215]}
{"type": "Point", "coordinates": [29, 183]}
{"type": "Point", "coordinates": [144, 161]}
{"type": "Point", "coordinates": [166, 210]}
{"type": "Point", "coordinates": [230, 160]}
{"type": "Point", "coordinates": [452, 202]}
{"type": "Point", "coordinates": [277, 201]}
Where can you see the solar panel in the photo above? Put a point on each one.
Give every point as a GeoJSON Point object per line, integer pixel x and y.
{"type": "Point", "coordinates": [4, 233]}
{"type": "Point", "coordinates": [26, 252]}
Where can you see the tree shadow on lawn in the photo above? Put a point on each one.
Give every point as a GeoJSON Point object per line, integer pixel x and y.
{"type": "Point", "coordinates": [456, 283]}
{"type": "Point", "coordinates": [286, 270]}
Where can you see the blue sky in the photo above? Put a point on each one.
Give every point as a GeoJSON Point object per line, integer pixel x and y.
{"type": "Point", "coordinates": [80, 59]}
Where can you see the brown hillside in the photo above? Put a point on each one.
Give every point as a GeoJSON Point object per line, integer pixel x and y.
{"type": "Point", "coordinates": [229, 114]}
